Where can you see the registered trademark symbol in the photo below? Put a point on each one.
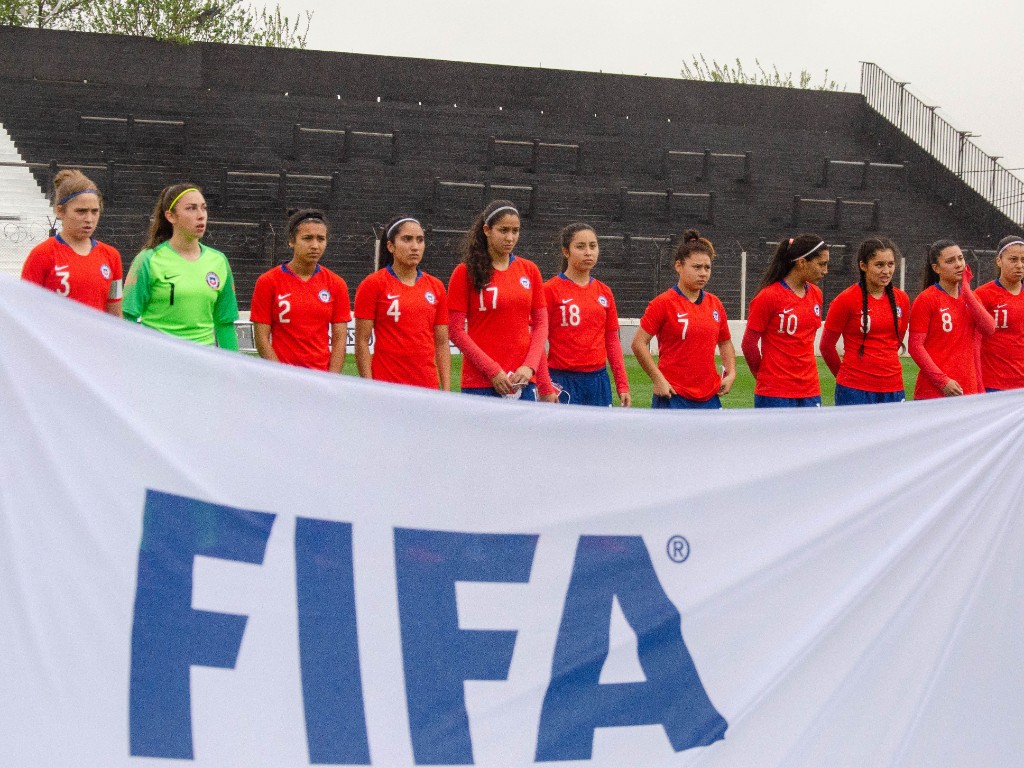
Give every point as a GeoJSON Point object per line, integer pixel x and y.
{"type": "Point", "coordinates": [678, 549]}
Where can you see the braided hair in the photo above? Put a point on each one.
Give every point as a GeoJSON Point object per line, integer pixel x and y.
{"type": "Point", "coordinates": [867, 250]}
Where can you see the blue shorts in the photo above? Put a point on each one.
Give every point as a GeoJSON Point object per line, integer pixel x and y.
{"type": "Point", "coordinates": [529, 392]}
{"type": "Point", "coordinates": [584, 388]}
{"type": "Point", "coordinates": [851, 396]}
{"type": "Point", "coordinates": [989, 389]}
{"type": "Point", "coordinates": [763, 401]}
{"type": "Point", "coordinates": [679, 402]}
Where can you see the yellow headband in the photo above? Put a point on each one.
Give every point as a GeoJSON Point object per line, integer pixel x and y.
{"type": "Point", "coordinates": [175, 201]}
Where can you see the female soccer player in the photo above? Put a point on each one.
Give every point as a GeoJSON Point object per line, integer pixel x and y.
{"type": "Point", "coordinates": [496, 310]}
{"type": "Point", "coordinates": [784, 319]}
{"type": "Point", "coordinates": [689, 323]}
{"type": "Point", "coordinates": [300, 308]}
{"type": "Point", "coordinates": [946, 322]}
{"type": "Point", "coordinates": [407, 311]}
{"type": "Point", "coordinates": [178, 285]}
{"type": "Point", "coordinates": [1002, 353]}
{"type": "Point", "coordinates": [583, 325]}
{"type": "Point", "coordinates": [871, 316]}
{"type": "Point", "coordinates": [73, 263]}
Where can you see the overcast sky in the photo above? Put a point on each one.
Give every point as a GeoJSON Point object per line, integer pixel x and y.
{"type": "Point", "coordinates": [963, 57]}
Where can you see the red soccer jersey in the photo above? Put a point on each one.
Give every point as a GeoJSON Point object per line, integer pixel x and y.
{"type": "Point", "coordinates": [878, 369]}
{"type": "Point", "coordinates": [1002, 353]}
{"type": "Point", "coordinates": [579, 318]}
{"type": "Point", "coordinates": [404, 318]}
{"type": "Point", "coordinates": [949, 339]}
{"type": "Point", "coordinates": [94, 279]}
{"type": "Point", "coordinates": [688, 333]}
{"type": "Point", "coordinates": [498, 317]}
{"type": "Point", "coordinates": [300, 314]}
{"type": "Point", "coordinates": [788, 325]}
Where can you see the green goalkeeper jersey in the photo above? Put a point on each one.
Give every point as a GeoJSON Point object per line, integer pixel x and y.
{"type": "Point", "coordinates": [180, 297]}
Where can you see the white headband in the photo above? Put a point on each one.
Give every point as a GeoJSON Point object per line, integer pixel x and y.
{"type": "Point", "coordinates": [1008, 245]}
{"type": "Point", "coordinates": [815, 248]}
{"type": "Point", "coordinates": [496, 211]}
{"type": "Point", "coordinates": [397, 224]}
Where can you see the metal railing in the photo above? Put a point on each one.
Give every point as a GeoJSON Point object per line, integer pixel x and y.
{"type": "Point", "coordinates": [951, 147]}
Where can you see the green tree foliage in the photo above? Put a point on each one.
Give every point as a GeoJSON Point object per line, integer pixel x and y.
{"type": "Point", "coordinates": [714, 72]}
{"type": "Point", "coordinates": [182, 21]}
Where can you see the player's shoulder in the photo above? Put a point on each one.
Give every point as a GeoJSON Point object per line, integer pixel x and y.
{"type": "Point", "coordinates": [432, 282]}
{"type": "Point", "coordinates": [989, 290]}
{"type": "Point", "coordinates": [328, 275]}
{"type": "Point", "coordinates": [713, 301]}
{"type": "Point", "coordinates": [45, 249]}
{"type": "Point", "coordinates": [527, 266]}
{"type": "Point", "coordinates": [106, 250]}
{"type": "Point", "coordinates": [851, 293]}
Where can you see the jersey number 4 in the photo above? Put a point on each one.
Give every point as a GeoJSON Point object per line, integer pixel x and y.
{"type": "Point", "coordinates": [393, 310]}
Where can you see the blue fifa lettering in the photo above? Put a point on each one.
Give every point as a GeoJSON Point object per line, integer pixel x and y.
{"type": "Point", "coordinates": [332, 687]}
{"type": "Point", "coordinates": [438, 656]}
{"type": "Point", "coordinates": [168, 636]}
{"type": "Point", "coordinates": [576, 703]}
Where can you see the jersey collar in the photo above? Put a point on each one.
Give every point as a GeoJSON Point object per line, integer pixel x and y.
{"type": "Point", "coordinates": [284, 268]}
{"type": "Point", "coordinates": [700, 297]}
{"type": "Point", "coordinates": [62, 241]}
{"type": "Point", "coordinates": [569, 280]}
{"type": "Point", "coordinates": [391, 271]}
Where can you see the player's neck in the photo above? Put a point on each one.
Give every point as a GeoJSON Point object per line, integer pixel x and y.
{"type": "Point", "coordinates": [578, 276]}
{"type": "Point", "coordinates": [186, 247]}
{"type": "Point", "coordinates": [302, 269]}
{"type": "Point", "coordinates": [500, 261]}
{"type": "Point", "coordinates": [691, 293]}
{"type": "Point", "coordinates": [952, 287]}
{"type": "Point", "coordinates": [80, 245]}
{"type": "Point", "coordinates": [1011, 286]}
{"type": "Point", "coordinates": [796, 282]}
{"type": "Point", "coordinates": [405, 273]}
{"type": "Point", "coordinates": [875, 290]}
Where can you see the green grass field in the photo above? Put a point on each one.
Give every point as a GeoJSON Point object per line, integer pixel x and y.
{"type": "Point", "coordinates": [741, 396]}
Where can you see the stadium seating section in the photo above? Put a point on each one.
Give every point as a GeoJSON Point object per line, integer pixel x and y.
{"type": "Point", "coordinates": [366, 137]}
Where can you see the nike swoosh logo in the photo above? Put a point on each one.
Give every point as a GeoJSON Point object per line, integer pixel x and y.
{"type": "Point", "coordinates": [57, 267]}
{"type": "Point", "coordinates": [169, 277]}
{"type": "Point", "coordinates": [283, 296]}
{"type": "Point", "coordinates": [566, 301]}
{"type": "Point", "coordinates": [393, 296]}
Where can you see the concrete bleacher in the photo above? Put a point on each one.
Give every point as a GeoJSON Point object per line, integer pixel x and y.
{"type": "Point", "coordinates": [365, 137]}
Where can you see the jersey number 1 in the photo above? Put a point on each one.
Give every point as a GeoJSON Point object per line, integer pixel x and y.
{"type": "Point", "coordinates": [493, 290]}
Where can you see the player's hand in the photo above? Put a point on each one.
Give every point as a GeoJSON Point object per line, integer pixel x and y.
{"type": "Point", "coordinates": [662, 388]}
{"type": "Point", "coordinates": [727, 382]}
{"type": "Point", "coordinates": [952, 389]}
{"type": "Point", "coordinates": [550, 398]}
{"type": "Point", "coordinates": [502, 384]}
{"type": "Point", "coordinates": [522, 375]}
{"type": "Point", "coordinates": [625, 400]}
{"type": "Point", "coordinates": [965, 281]}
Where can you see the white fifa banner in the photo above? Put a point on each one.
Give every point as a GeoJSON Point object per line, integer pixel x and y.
{"type": "Point", "coordinates": [210, 560]}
